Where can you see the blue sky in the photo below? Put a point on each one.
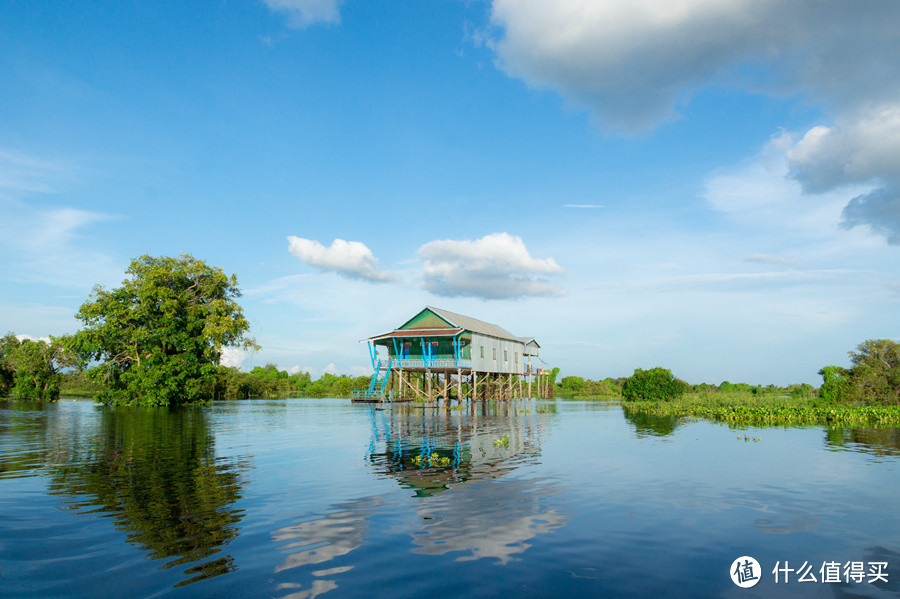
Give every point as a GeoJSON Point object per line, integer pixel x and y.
{"type": "Point", "coordinates": [713, 187]}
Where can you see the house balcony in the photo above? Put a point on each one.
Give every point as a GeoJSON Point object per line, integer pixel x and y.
{"type": "Point", "coordinates": [433, 363]}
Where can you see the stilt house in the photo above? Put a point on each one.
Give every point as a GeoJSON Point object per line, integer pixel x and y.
{"type": "Point", "coordinates": [435, 345]}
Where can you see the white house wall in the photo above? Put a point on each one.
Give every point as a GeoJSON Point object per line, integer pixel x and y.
{"type": "Point", "coordinates": [514, 362]}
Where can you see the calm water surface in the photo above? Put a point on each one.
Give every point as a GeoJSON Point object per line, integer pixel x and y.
{"type": "Point", "coordinates": [301, 498]}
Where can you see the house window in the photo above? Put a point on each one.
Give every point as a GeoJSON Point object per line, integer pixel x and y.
{"type": "Point", "coordinates": [482, 351]}
{"type": "Point", "coordinates": [517, 357]}
{"type": "Point", "coordinates": [494, 352]}
{"type": "Point", "coordinates": [505, 356]}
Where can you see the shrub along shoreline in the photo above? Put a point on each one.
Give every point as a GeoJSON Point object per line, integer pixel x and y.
{"type": "Point", "coordinates": [746, 409]}
{"type": "Point", "coordinates": [866, 394]}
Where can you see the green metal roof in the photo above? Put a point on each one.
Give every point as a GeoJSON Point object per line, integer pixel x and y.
{"type": "Point", "coordinates": [473, 324]}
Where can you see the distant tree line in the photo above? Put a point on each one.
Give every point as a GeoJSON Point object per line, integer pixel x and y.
{"type": "Point", "coordinates": [262, 382]}
{"type": "Point", "coordinates": [660, 384]}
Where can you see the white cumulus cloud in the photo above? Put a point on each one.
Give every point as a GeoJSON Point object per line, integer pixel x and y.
{"type": "Point", "coordinates": [860, 150]}
{"type": "Point", "coordinates": [232, 357]}
{"type": "Point", "coordinates": [631, 62]}
{"type": "Point", "coordinates": [303, 13]}
{"type": "Point", "coordinates": [350, 259]}
{"type": "Point", "coordinates": [497, 266]}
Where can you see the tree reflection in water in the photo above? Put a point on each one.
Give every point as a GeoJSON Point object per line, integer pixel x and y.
{"type": "Point", "coordinates": [156, 471]}
{"type": "Point", "coordinates": [874, 441]}
{"type": "Point", "coordinates": [647, 425]}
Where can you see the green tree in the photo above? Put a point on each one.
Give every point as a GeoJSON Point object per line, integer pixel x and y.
{"type": "Point", "coordinates": [158, 338]}
{"type": "Point", "coordinates": [571, 385]}
{"type": "Point", "coordinates": [9, 346]}
{"type": "Point", "coordinates": [874, 377]}
{"type": "Point", "coordinates": [37, 365]}
{"type": "Point", "coordinates": [834, 384]}
{"type": "Point", "coordinates": [656, 384]}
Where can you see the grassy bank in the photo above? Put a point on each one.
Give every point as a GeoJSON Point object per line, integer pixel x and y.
{"type": "Point", "coordinates": [765, 409]}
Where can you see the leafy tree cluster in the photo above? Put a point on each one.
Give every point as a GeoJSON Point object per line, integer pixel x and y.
{"type": "Point", "coordinates": [576, 387]}
{"type": "Point", "coordinates": [656, 384]}
{"type": "Point", "coordinates": [270, 382]}
{"type": "Point", "coordinates": [873, 378]}
{"type": "Point", "coordinates": [30, 369]}
{"type": "Point", "coordinates": [157, 339]}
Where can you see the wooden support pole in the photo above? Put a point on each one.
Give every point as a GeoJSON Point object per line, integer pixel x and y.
{"type": "Point", "coordinates": [446, 387]}
{"type": "Point", "coordinates": [413, 388]}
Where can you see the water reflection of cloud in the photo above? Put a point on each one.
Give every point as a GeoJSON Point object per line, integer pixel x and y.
{"type": "Point", "coordinates": [319, 587]}
{"type": "Point", "coordinates": [323, 539]}
{"type": "Point", "coordinates": [486, 519]}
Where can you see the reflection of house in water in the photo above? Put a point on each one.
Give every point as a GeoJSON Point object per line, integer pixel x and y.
{"type": "Point", "coordinates": [430, 450]}
{"type": "Point", "coordinates": [456, 462]}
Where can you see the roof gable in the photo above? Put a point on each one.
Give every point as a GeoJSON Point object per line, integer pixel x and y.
{"type": "Point", "coordinates": [427, 319]}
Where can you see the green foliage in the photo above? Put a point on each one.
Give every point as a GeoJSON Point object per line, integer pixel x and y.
{"type": "Point", "coordinates": [158, 338]}
{"type": "Point", "coordinates": [874, 377]}
{"type": "Point", "coordinates": [834, 384]}
{"type": "Point", "coordinates": [30, 369]}
{"type": "Point", "coordinates": [571, 385]}
{"type": "Point", "coordinates": [575, 387]}
{"type": "Point", "coordinates": [656, 384]}
{"type": "Point", "coordinates": [9, 345]}
{"type": "Point", "coordinates": [270, 382]}
{"type": "Point", "coordinates": [745, 412]}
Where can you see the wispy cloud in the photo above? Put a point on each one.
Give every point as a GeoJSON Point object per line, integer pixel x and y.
{"type": "Point", "coordinates": [46, 244]}
{"type": "Point", "coordinates": [303, 13]}
{"type": "Point", "coordinates": [497, 266]}
{"type": "Point", "coordinates": [351, 259]}
{"type": "Point", "coordinates": [774, 260]}
{"type": "Point", "coordinates": [762, 191]}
